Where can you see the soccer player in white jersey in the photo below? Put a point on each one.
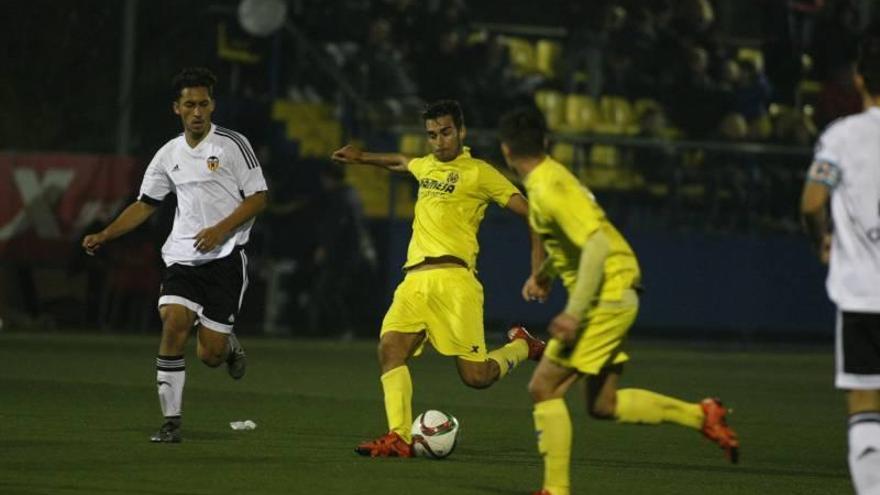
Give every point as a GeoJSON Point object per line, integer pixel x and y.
{"type": "Point", "coordinates": [220, 189]}
{"type": "Point", "coordinates": [846, 173]}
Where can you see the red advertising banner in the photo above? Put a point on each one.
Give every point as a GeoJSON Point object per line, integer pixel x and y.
{"type": "Point", "coordinates": [47, 200]}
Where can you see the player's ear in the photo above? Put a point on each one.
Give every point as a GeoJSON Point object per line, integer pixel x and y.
{"type": "Point", "coordinates": [462, 132]}
{"type": "Point", "coordinates": [176, 107]}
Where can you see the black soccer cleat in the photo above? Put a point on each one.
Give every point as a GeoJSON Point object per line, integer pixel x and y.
{"type": "Point", "coordinates": [236, 362]}
{"type": "Point", "coordinates": [169, 432]}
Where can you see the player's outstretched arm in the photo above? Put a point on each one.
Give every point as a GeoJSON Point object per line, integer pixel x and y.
{"type": "Point", "coordinates": [134, 215]}
{"type": "Point", "coordinates": [352, 155]}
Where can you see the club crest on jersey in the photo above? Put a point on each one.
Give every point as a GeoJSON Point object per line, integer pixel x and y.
{"type": "Point", "coordinates": [213, 163]}
{"type": "Point", "coordinates": [452, 178]}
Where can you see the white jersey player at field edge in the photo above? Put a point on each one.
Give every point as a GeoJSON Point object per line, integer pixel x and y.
{"type": "Point", "coordinates": [220, 189]}
{"type": "Point", "coordinates": [845, 173]}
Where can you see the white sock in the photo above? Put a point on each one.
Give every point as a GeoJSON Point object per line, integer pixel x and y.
{"type": "Point", "coordinates": [864, 452]}
{"type": "Point", "coordinates": [170, 377]}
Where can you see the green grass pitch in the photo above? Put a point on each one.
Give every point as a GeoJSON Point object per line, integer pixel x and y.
{"type": "Point", "coordinates": [76, 413]}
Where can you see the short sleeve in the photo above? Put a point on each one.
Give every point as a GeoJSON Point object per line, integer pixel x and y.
{"type": "Point", "coordinates": [247, 167]}
{"type": "Point", "coordinates": [824, 173]}
{"type": "Point", "coordinates": [156, 184]}
{"type": "Point", "coordinates": [495, 186]}
{"type": "Point", "coordinates": [573, 209]}
{"type": "Point", "coordinates": [417, 166]}
{"type": "Point", "coordinates": [827, 158]}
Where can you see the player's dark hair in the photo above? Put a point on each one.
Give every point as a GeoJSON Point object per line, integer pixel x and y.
{"type": "Point", "coordinates": [437, 109]}
{"type": "Point", "coordinates": [193, 77]}
{"type": "Point", "coordinates": [523, 130]}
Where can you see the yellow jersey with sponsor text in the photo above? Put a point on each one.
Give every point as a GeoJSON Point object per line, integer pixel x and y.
{"type": "Point", "coordinates": [451, 204]}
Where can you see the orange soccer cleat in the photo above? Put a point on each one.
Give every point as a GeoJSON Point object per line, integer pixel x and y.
{"type": "Point", "coordinates": [388, 445]}
{"type": "Point", "coordinates": [715, 428]}
{"type": "Point", "coordinates": [542, 492]}
{"type": "Point", "coordinates": [536, 345]}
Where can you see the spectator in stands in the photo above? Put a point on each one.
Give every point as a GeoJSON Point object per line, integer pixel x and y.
{"type": "Point", "coordinates": [708, 101]}
{"type": "Point", "coordinates": [384, 74]}
{"type": "Point", "coordinates": [493, 82]}
{"type": "Point", "coordinates": [633, 55]}
{"type": "Point", "coordinates": [787, 33]}
{"type": "Point", "coordinates": [694, 24]}
{"type": "Point", "coordinates": [749, 88]}
{"type": "Point", "coordinates": [591, 28]}
{"type": "Point", "coordinates": [407, 18]}
{"type": "Point", "coordinates": [444, 76]}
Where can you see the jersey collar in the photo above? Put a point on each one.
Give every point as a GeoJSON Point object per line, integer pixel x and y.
{"type": "Point", "coordinates": [204, 139]}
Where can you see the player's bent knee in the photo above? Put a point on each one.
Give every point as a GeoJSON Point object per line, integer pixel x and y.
{"type": "Point", "coordinates": [539, 390]}
{"type": "Point", "coordinates": [211, 360]}
{"type": "Point", "coordinates": [477, 380]}
{"type": "Point", "coordinates": [211, 357]}
{"type": "Point", "coordinates": [391, 356]}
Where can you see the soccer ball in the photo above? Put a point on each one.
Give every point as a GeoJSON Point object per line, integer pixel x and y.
{"type": "Point", "coordinates": [434, 434]}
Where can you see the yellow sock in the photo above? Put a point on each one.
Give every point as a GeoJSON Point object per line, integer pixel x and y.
{"type": "Point", "coordinates": [509, 356]}
{"type": "Point", "coordinates": [553, 428]}
{"type": "Point", "coordinates": [397, 385]}
{"type": "Point", "coordinates": [643, 406]}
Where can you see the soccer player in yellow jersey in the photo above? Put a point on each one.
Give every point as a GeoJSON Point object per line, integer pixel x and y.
{"type": "Point", "coordinates": [440, 299]}
{"type": "Point", "coordinates": [601, 274]}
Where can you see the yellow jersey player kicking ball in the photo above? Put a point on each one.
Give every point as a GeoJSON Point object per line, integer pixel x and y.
{"type": "Point", "coordinates": [440, 299]}
{"type": "Point", "coordinates": [600, 272]}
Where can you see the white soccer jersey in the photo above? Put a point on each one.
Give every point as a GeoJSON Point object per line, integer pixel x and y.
{"type": "Point", "coordinates": [847, 160]}
{"type": "Point", "coordinates": [210, 181]}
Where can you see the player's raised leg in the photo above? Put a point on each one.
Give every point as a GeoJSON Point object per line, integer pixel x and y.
{"type": "Point", "coordinates": [177, 321]}
{"type": "Point", "coordinates": [639, 406]}
{"type": "Point", "coordinates": [216, 348]}
{"type": "Point", "coordinates": [482, 373]}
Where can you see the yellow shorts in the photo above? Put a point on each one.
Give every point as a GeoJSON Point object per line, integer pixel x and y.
{"type": "Point", "coordinates": [601, 342]}
{"type": "Point", "coordinates": [445, 302]}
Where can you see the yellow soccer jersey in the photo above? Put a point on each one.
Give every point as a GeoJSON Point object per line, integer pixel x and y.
{"type": "Point", "coordinates": [452, 201]}
{"type": "Point", "coordinates": [564, 212]}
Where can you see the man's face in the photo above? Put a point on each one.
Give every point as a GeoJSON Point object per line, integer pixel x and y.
{"type": "Point", "coordinates": [195, 106]}
{"type": "Point", "coordinates": [444, 137]}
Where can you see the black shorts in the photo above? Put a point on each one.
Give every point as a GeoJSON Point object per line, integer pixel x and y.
{"type": "Point", "coordinates": [858, 351]}
{"type": "Point", "coordinates": [213, 290]}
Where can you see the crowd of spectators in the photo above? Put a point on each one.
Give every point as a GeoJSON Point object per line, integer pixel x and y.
{"type": "Point", "coordinates": [400, 53]}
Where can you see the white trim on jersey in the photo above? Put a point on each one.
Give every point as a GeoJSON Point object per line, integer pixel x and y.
{"type": "Point", "coordinates": [244, 277]}
{"type": "Point", "coordinates": [844, 380]}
